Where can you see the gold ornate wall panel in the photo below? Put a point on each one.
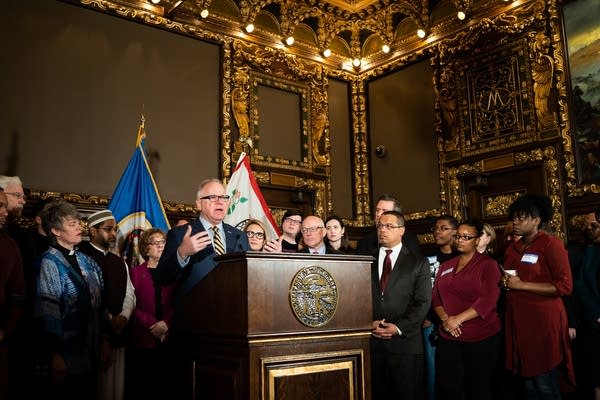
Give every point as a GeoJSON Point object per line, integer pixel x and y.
{"type": "Point", "coordinates": [493, 101]}
{"type": "Point", "coordinates": [495, 205]}
{"type": "Point", "coordinates": [360, 151]}
{"type": "Point", "coordinates": [255, 66]}
{"type": "Point", "coordinates": [495, 85]}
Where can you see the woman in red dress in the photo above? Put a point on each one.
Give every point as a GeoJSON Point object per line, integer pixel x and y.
{"type": "Point", "coordinates": [537, 335]}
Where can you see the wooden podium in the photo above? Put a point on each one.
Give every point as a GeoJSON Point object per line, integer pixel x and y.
{"type": "Point", "coordinates": [279, 326]}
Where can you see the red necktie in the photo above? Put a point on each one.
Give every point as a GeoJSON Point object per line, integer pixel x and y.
{"type": "Point", "coordinates": [387, 270]}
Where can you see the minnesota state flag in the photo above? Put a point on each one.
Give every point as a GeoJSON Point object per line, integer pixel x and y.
{"type": "Point", "coordinates": [247, 200]}
{"type": "Point", "coordinates": [136, 203]}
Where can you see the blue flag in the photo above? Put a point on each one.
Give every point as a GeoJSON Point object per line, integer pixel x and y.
{"type": "Point", "coordinates": [136, 203]}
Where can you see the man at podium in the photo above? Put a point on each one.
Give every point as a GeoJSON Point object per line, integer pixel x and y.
{"type": "Point", "coordinates": [191, 248]}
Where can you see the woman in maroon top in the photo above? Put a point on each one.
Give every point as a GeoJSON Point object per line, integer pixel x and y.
{"type": "Point", "coordinates": [537, 333]}
{"type": "Point", "coordinates": [464, 298]}
{"type": "Point", "coordinates": [149, 362]}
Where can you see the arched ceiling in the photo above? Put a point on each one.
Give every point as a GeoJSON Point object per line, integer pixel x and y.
{"type": "Point", "coordinates": [351, 29]}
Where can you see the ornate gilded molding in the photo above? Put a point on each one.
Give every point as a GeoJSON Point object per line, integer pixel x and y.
{"type": "Point", "coordinates": [547, 156]}
{"type": "Point", "coordinates": [226, 139]}
{"type": "Point", "coordinates": [89, 202]}
{"type": "Point", "coordinates": [255, 65]}
{"type": "Point", "coordinates": [497, 205]}
{"type": "Point", "coordinates": [360, 152]}
{"type": "Point", "coordinates": [316, 186]}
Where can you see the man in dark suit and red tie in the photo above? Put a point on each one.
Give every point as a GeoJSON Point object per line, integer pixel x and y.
{"type": "Point", "coordinates": [401, 290]}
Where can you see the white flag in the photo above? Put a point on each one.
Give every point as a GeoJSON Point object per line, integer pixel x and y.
{"type": "Point", "coordinates": [246, 199]}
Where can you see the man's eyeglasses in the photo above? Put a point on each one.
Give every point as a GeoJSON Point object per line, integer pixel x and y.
{"type": "Point", "coordinates": [19, 196]}
{"type": "Point", "coordinates": [312, 229]}
{"type": "Point", "coordinates": [214, 197]}
{"type": "Point", "coordinates": [388, 227]}
{"type": "Point", "coordinates": [442, 228]}
{"type": "Point", "coordinates": [258, 235]}
{"type": "Point", "coordinates": [158, 243]}
{"type": "Point", "coordinates": [464, 238]}
{"type": "Point", "coordinates": [292, 221]}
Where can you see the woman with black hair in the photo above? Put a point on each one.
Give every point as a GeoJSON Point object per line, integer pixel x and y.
{"type": "Point", "coordinates": [336, 235]}
{"type": "Point", "coordinates": [537, 336]}
{"type": "Point", "coordinates": [464, 298]}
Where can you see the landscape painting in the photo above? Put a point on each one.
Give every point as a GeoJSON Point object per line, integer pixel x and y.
{"type": "Point", "coordinates": [582, 27]}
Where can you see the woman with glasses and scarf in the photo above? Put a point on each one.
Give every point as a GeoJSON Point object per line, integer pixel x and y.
{"type": "Point", "coordinates": [464, 298]}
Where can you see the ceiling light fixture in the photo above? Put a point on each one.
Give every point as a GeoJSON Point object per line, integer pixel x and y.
{"type": "Point", "coordinates": [250, 28]}
{"type": "Point", "coordinates": [356, 62]}
{"type": "Point", "coordinates": [290, 40]}
{"type": "Point", "coordinates": [421, 33]}
{"type": "Point", "coordinates": [461, 15]}
{"type": "Point", "coordinates": [326, 53]}
{"type": "Point", "coordinates": [155, 1]}
{"type": "Point", "coordinates": [204, 13]}
{"type": "Point", "coordinates": [385, 48]}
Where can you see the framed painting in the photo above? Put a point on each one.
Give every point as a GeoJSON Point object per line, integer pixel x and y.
{"type": "Point", "coordinates": [582, 28]}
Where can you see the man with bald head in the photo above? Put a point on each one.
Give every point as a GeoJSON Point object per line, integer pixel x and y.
{"type": "Point", "coordinates": [188, 257]}
{"type": "Point", "coordinates": [313, 235]}
{"type": "Point", "coordinates": [191, 248]}
{"type": "Point", "coordinates": [12, 297]}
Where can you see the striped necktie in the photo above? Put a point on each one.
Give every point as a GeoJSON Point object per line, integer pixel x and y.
{"type": "Point", "coordinates": [217, 242]}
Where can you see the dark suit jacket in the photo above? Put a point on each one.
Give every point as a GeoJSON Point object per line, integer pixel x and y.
{"type": "Point", "coordinates": [370, 244]}
{"type": "Point", "coordinates": [201, 263]}
{"type": "Point", "coordinates": [405, 302]}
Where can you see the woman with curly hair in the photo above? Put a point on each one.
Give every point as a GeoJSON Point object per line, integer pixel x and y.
{"type": "Point", "coordinates": [536, 329]}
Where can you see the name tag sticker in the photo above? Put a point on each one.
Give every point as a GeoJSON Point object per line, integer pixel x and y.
{"type": "Point", "coordinates": [446, 272]}
{"type": "Point", "coordinates": [529, 258]}
{"type": "Point", "coordinates": [432, 259]}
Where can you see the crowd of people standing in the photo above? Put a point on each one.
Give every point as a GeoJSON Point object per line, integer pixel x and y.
{"type": "Point", "coordinates": [447, 324]}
